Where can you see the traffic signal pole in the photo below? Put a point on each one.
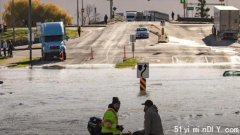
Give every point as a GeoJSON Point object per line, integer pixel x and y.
{"type": "Point", "coordinates": [184, 8]}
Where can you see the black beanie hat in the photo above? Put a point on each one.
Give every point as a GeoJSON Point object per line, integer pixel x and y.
{"type": "Point", "coordinates": [148, 103]}
{"type": "Point", "coordinates": [115, 100]}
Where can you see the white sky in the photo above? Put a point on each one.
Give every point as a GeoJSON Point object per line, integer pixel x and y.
{"type": "Point", "coordinates": [166, 6]}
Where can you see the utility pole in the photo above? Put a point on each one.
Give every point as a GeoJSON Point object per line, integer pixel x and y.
{"type": "Point", "coordinates": [77, 14]}
{"type": "Point", "coordinates": [13, 20]}
{"type": "Point", "coordinates": [95, 14]}
{"type": "Point", "coordinates": [82, 12]}
{"type": "Point", "coordinates": [111, 9]}
{"type": "Point", "coordinates": [30, 30]}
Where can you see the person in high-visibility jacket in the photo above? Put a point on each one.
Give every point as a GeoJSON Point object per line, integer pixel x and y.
{"type": "Point", "coordinates": [110, 119]}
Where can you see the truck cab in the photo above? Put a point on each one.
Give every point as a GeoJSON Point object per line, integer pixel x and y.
{"type": "Point", "coordinates": [131, 16]}
{"type": "Point", "coordinates": [53, 40]}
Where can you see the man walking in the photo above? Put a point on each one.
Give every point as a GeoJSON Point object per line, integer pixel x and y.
{"type": "Point", "coordinates": [105, 18]}
{"type": "Point", "coordinates": [79, 31]}
{"type": "Point", "coordinates": [173, 15]}
{"type": "Point", "coordinates": [5, 46]}
{"type": "Point", "coordinates": [110, 119]}
{"type": "Point", "coordinates": [10, 48]}
{"type": "Point", "coordinates": [152, 120]}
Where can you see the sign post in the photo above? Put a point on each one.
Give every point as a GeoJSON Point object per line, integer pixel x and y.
{"type": "Point", "coordinates": [132, 41]}
{"type": "Point", "coordinates": [190, 8]}
{"type": "Point", "coordinates": [143, 73]}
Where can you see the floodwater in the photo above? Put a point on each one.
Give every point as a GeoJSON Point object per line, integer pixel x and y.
{"type": "Point", "coordinates": [60, 102]}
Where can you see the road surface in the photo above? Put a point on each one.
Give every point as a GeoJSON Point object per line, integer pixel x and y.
{"type": "Point", "coordinates": [189, 43]}
{"type": "Point", "coordinates": [60, 102]}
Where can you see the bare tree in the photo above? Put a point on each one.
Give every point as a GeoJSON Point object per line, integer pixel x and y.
{"type": "Point", "coordinates": [89, 10]}
{"type": "Point", "coordinates": [95, 18]}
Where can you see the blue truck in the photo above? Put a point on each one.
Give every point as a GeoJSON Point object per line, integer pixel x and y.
{"type": "Point", "coordinates": [53, 40]}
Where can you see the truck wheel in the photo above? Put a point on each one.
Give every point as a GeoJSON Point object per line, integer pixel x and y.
{"type": "Point", "coordinates": [42, 54]}
{"type": "Point", "coordinates": [65, 56]}
{"type": "Point", "coordinates": [213, 31]}
{"type": "Point", "coordinates": [45, 56]}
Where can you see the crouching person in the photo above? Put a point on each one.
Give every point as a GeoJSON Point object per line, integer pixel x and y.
{"type": "Point", "coordinates": [110, 119]}
{"type": "Point", "coordinates": [152, 120]}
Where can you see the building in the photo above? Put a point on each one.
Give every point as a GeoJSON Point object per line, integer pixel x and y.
{"type": "Point", "coordinates": [146, 16]}
{"type": "Point", "coordinates": [157, 16]}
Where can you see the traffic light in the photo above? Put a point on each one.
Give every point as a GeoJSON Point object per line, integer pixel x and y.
{"type": "Point", "coordinates": [182, 1]}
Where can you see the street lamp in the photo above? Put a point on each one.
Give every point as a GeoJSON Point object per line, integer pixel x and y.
{"type": "Point", "coordinates": [111, 8]}
{"type": "Point", "coordinates": [77, 14]}
{"type": "Point", "coordinates": [30, 30]}
{"type": "Point", "coordinates": [82, 12]}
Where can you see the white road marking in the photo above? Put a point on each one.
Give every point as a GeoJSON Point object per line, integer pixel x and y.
{"type": "Point", "coordinates": [206, 59]}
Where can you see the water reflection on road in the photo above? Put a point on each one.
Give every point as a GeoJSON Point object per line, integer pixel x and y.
{"type": "Point", "coordinates": [42, 101]}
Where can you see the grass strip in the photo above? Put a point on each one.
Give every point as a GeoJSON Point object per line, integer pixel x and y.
{"type": "Point", "coordinates": [127, 63]}
{"type": "Point", "coordinates": [23, 63]}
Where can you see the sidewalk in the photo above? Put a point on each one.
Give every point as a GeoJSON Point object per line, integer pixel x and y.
{"type": "Point", "coordinates": [22, 53]}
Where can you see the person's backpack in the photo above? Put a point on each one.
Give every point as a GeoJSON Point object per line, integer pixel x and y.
{"type": "Point", "coordinates": [94, 126]}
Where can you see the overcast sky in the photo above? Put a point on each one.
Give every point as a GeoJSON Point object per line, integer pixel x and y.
{"type": "Point", "coordinates": [166, 6]}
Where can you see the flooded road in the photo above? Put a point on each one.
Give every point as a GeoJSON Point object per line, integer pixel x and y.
{"type": "Point", "coordinates": [60, 102]}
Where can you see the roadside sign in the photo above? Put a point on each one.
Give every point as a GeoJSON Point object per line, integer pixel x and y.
{"type": "Point", "coordinates": [143, 70]}
{"type": "Point", "coordinates": [190, 8]}
{"type": "Point", "coordinates": [38, 25]}
{"type": "Point", "coordinates": [162, 22]}
{"type": "Point", "coordinates": [29, 36]}
{"type": "Point", "coordinates": [132, 38]}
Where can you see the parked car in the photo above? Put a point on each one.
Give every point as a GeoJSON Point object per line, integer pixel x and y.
{"type": "Point", "coordinates": [142, 32]}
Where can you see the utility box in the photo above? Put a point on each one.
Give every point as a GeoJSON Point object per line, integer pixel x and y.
{"type": "Point", "coordinates": [226, 22]}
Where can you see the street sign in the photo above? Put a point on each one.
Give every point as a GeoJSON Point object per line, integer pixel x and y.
{"type": "Point", "coordinates": [143, 70]}
{"type": "Point", "coordinates": [190, 8]}
{"type": "Point", "coordinates": [162, 22]}
{"type": "Point", "coordinates": [132, 38]}
{"type": "Point", "coordinates": [38, 26]}
{"type": "Point", "coordinates": [182, 1]}
{"type": "Point", "coordinates": [133, 47]}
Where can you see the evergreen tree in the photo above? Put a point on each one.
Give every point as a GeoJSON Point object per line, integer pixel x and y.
{"type": "Point", "coordinates": [202, 10]}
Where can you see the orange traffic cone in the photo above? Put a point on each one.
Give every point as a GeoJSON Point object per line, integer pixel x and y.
{"type": "Point", "coordinates": [62, 56]}
{"type": "Point", "coordinates": [91, 54]}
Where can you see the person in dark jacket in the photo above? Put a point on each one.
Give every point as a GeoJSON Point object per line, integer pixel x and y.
{"type": "Point", "coordinates": [152, 120]}
{"type": "Point", "coordinates": [105, 19]}
{"type": "Point", "coordinates": [173, 15]}
{"type": "Point", "coordinates": [79, 31]}
{"type": "Point", "coordinates": [10, 48]}
{"type": "Point", "coordinates": [5, 47]}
